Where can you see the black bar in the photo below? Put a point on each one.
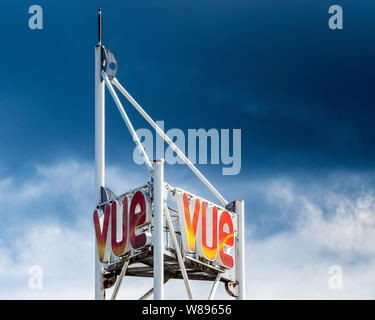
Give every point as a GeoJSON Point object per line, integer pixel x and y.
{"type": "Point", "coordinates": [100, 26]}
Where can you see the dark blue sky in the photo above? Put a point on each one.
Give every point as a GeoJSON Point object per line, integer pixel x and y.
{"type": "Point", "coordinates": [301, 93]}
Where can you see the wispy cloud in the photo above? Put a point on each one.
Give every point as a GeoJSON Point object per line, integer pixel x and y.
{"type": "Point", "coordinates": [330, 227]}
{"type": "Point", "coordinates": [332, 222]}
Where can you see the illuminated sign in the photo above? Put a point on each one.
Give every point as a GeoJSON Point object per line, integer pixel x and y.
{"type": "Point", "coordinates": [120, 228]}
{"type": "Point", "coordinates": [207, 229]}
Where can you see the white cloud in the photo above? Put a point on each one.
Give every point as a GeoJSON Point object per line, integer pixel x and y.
{"type": "Point", "coordinates": [330, 227]}
{"type": "Point", "coordinates": [62, 246]}
{"type": "Point", "coordinates": [294, 264]}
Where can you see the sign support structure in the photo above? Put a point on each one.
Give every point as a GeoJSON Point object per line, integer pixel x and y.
{"type": "Point", "coordinates": [240, 249]}
{"type": "Point", "coordinates": [156, 239]}
{"type": "Point", "coordinates": [158, 229]}
{"type": "Point", "coordinates": [99, 151]}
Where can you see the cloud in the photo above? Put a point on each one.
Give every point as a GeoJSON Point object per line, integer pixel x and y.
{"type": "Point", "coordinates": [330, 227]}
{"type": "Point", "coordinates": [47, 221]}
{"type": "Point", "coordinates": [331, 222]}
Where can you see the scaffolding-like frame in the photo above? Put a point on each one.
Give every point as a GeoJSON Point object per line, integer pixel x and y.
{"type": "Point", "coordinates": [157, 261]}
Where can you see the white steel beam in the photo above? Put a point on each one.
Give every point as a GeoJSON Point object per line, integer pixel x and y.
{"type": "Point", "coordinates": [178, 253]}
{"type": "Point", "coordinates": [127, 121]}
{"type": "Point", "coordinates": [169, 141]}
{"type": "Point", "coordinates": [119, 280]}
{"type": "Point", "coordinates": [240, 249]}
{"type": "Point", "coordinates": [214, 287]}
{"type": "Point", "coordinates": [150, 292]}
{"type": "Point", "coordinates": [158, 230]}
{"type": "Point", "coordinates": [99, 159]}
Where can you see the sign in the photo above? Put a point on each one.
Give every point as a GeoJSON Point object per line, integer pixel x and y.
{"type": "Point", "coordinates": [121, 227]}
{"type": "Point", "coordinates": [207, 229]}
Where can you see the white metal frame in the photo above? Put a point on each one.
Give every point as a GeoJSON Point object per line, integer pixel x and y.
{"type": "Point", "coordinates": [127, 121]}
{"type": "Point", "coordinates": [169, 141]}
{"type": "Point", "coordinates": [157, 235]}
{"type": "Point", "coordinates": [178, 252]}
{"type": "Point", "coordinates": [99, 158]}
{"type": "Point", "coordinates": [119, 280]}
{"type": "Point", "coordinates": [240, 249]}
{"type": "Point", "coordinates": [156, 169]}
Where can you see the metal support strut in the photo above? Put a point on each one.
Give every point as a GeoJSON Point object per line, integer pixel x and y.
{"type": "Point", "coordinates": [105, 75]}
{"type": "Point", "coordinates": [127, 121]}
{"type": "Point", "coordinates": [119, 280]}
{"type": "Point", "coordinates": [178, 253]}
{"type": "Point", "coordinates": [169, 141]}
{"type": "Point", "coordinates": [158, 230]}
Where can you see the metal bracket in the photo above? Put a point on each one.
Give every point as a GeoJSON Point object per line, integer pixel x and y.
{"type": "Point", "coordinates": [106, 195]}
{"type": "Point", "coordinates": [109, 63]}
{"type": "Point", "coordinates": [109, 280]}
{"type": "Point", "coordinates": [231, 206]}
{"type": "Point", "coordinates": [230, 288]}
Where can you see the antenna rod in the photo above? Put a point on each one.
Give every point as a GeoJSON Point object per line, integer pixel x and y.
{"type": "Point", "coordinates": [100, 27]}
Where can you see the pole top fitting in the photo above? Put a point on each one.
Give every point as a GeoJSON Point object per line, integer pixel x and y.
{"type": "Point", "coordinates": [100, 27]}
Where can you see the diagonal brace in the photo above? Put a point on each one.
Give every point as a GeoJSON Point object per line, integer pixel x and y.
{"type": "Point", "coordinates": [178, 253]}
{"type": "Point", "coordinates": [119, 280]}
{"type": "Point", "coordinates": [127, 121]}
{"type": "Point", "coordinates": [214, 287]}
{"type": "Point", "coordinates": [169, 141]}
{"type": "Point", "coordinates": [150, 292]}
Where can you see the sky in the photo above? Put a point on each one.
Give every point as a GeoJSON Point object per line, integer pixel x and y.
{"type": "Point", "coordinates": [300, 92]}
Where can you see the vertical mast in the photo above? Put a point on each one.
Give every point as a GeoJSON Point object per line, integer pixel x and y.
{"type": "Point", "coordinates": [240, 249]}
{"type": "Point", "coordinates": [158, 230]}
{"type": "Point", "coordinates": [99, 151]}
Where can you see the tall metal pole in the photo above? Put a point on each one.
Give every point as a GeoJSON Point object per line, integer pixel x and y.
{"type": "Point", "coordinates": [240, 249]}
{"type": "Point", "coordinates": [158, 230]}
{"type": "Point", "coordinates": [99, 152]}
